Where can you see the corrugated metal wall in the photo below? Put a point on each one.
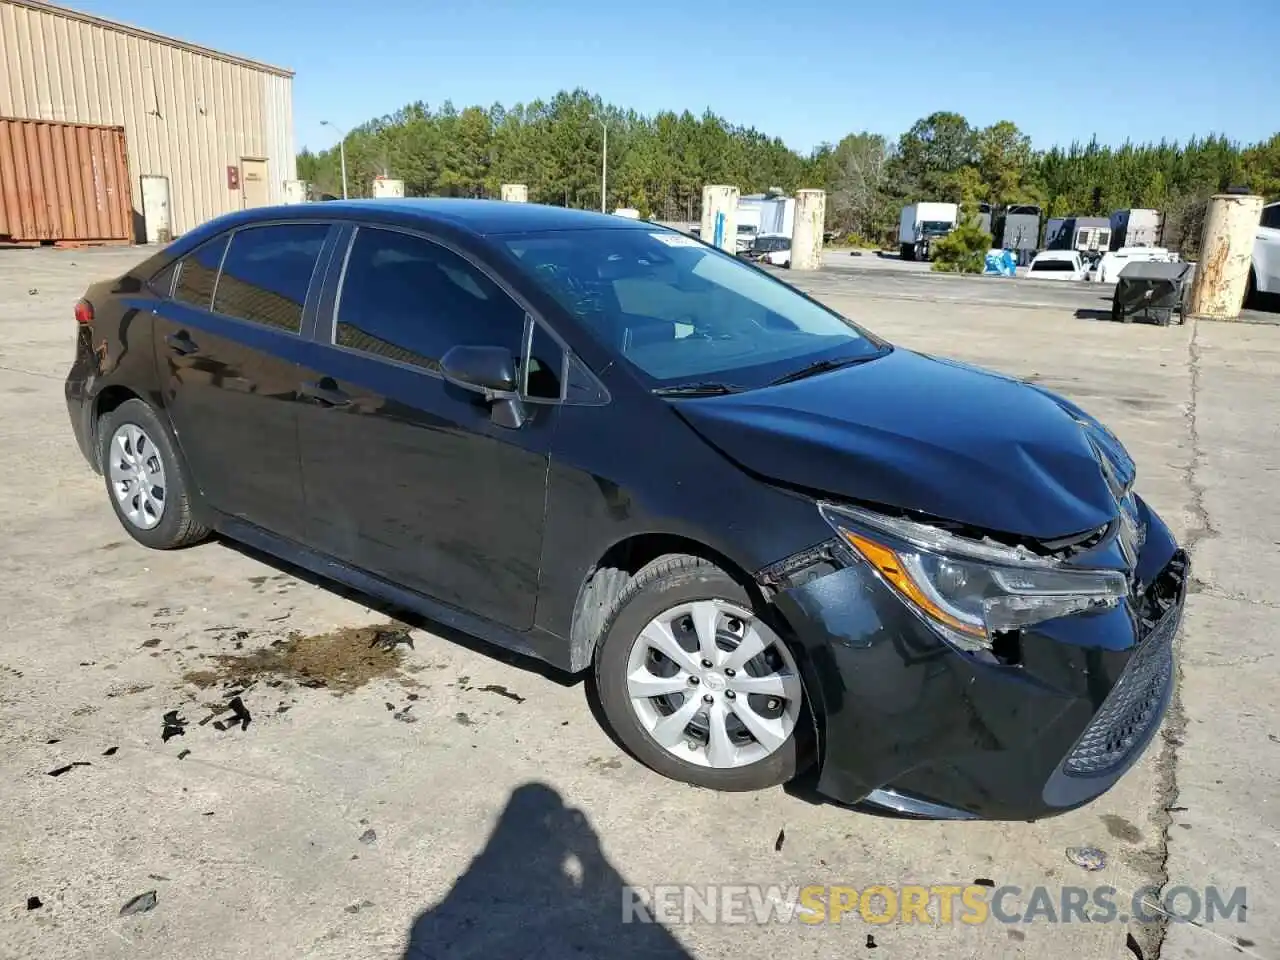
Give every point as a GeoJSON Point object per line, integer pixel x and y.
{"type": "Point", "coordinates": [188, 113]}
{"type": "Point", "coordinates": [62, 181]}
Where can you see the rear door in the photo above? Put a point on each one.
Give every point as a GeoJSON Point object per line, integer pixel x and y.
{"type": "Point", "coordinates": [226, 343]}
{"type": "Point", "coordinates": [406, 475]}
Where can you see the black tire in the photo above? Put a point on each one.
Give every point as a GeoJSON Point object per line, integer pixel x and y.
{"type": "Point", "coordinates": [1251, 291]}
{"type": "Point", "coordinates": [177, 528]}
{"type": "Point", "coordinates": [661, 585]}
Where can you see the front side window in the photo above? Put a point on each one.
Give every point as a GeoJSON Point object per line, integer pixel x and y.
{"type": "Point", "coordinates": [199, 272]}
{"type": "Point", "coordinates": [267, 271]}
{"type": "Point", "coordinates": [680, 312]}
{"type": "Point", "coordinates": [1271, 216]}
{"type": "Point", "coordinates": [408, 299]}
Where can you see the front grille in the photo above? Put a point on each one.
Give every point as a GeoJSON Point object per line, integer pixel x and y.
{"type": "Point", "coordinates": [1138, 698]}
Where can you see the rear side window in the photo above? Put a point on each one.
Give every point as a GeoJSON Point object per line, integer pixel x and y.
{"type": "Point", "coordinates": [1062, 266]}
{"type": "Point", "coordinates": [1271, 216]}
{"type": "Point", "coordinates": [411, 300]}
{"type": "Point", "coordinates": [199, 273]}
{"type": "Point", "coordinates": [267, 271]}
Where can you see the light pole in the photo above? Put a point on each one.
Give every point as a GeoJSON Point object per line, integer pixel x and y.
{"type": "Point", "coordinates": [604, 168]}
{"type": "Point", "coordinates": [342, 152]}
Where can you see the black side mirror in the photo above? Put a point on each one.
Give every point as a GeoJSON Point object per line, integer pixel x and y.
{"type": "Point", "coordinates": [491, 372]}
{"type": "Point", "coordinates": [487, 370]}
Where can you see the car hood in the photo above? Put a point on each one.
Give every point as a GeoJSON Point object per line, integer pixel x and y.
{"type": "Point", "coordinates": [930, 435]}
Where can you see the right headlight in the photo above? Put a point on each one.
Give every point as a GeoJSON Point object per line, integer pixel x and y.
{"type": "Point", "coordinates": [970, 590]}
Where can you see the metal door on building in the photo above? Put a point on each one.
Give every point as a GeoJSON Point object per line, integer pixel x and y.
{"type": "Point", "coordinates": [254, 186]}
{"type": "Point", "coordinates": [155, 208]}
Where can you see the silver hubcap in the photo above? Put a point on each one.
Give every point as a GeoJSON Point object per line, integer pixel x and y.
{"type": "Point", "coordinates": [137, 476]}
{"type": "Point", "coordinates": [713, 685]}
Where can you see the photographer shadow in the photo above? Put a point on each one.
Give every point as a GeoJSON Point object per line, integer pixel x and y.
{"type": "Point", "coordinates": [541, 887]}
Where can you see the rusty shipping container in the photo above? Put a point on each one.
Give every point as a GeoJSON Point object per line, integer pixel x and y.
{"type": "Point", "coordinates": [64, 183]}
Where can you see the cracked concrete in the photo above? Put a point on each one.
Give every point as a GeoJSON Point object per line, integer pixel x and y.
{"type": "Point", "coordinates": [488, 816]}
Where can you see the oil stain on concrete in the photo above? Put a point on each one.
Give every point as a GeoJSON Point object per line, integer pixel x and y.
{"type": "Point", "coordinates": [339, 661]}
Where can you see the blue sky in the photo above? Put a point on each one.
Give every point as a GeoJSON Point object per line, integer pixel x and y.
{"type": "Point", "coordinates": [805, 70]}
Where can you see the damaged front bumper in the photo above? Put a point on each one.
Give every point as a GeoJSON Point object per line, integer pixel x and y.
{"type": "Point", "coordinates": [909, 723]}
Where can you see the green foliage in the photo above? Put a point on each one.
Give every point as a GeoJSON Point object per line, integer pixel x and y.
{"type": "Point", "coordinates": [964, 249]}
{"type": "Point", "coordinates": [660, 163]}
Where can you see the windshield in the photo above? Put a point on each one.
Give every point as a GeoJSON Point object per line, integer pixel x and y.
{"type": "Point", "coordinates": [680, 312]}
{"type": "Point", "coordinates": [929, 227]}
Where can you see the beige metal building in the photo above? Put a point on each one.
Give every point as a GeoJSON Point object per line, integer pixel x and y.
{"type": "Point", "coordinates": [205, 133]}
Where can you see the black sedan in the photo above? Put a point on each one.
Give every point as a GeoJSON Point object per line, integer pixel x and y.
{"type": "Point", "coordinates": [777, 540]}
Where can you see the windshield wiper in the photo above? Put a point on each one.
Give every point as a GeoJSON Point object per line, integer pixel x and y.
{"type": "Point", "coordinates": [820, 366]}
{"type": "Point", "coordinates": [705, 389]}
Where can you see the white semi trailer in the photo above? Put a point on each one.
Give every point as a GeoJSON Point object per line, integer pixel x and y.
{"type": "Point", "coordinates": [922, 224]}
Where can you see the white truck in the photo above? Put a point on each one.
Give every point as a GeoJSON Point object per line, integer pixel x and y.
{"type": "Point", "coordinates": [922, 224]}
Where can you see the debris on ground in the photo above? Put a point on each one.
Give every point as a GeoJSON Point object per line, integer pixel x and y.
{"type": "Point", "coordinates": [341, 660]}
{"type": "Point", "coordinates": [110, 751]}
{"type": "Point", "coordinates": [34, 903]}
{"type": "Point", "coordinates": [357, 907]}
{"type": "Point", "coordinates": [183, 754]}
{"type": "Point", "coordinates": [53, 741]}
{"type": "Point", "coordinates": [404, 716]}
{"type": "Point", "coordinates": [782, 838]}
{"type": "Point", "coordinates": [156, 876]}
{"type": "Point", "coordinates": [463, 719]}
{"type": "Point", "coordinates": [1135, 948]}
{"type": "Point", "coordinates": [369, 836]}
{"type": "Point", "coordinates": [174, 726]}
{"type": "Point", "coordinates": [61, 770]}
{"type": "Point", "coordinates": [1090, 858]}
{"type": "Point", "coordinates": [502, 691]}
{"type": "Point", "coordinates": [139, 904]}
{"type": "Point", "coordinates": [388, 638]}
{"type": "Point", "coordinates": [871, 942]}
{"type": "Point", "coordinates": [239, 714]}
{"type": "Point", "coordinates": [984, 882]}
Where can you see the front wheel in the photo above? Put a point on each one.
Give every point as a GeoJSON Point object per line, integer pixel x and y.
{"type": "Point", "coordinates": [698, 686]}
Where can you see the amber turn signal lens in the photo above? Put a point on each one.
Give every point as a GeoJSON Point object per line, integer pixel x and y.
{"type": "Point", "coordinates": [886, 561]}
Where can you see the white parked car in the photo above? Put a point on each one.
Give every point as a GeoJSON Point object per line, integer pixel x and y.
{"type": "Point", "coordinates": [1058, 265]}
{"type": "Point", "coordinates": [1108, 268]}
{"type": "Point", "coordinates": [1264, 275]}
{"type": "Point", "coordinates": [772, 248]}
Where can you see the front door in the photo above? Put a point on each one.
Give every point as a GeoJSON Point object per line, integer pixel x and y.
{"type": "Point", "coordinates": [227, 342]}
{"type": "Point", "coordinates": [254, 186]}
{"type": "Point", "coordinates": [155, 208]}
{"type": "Point", "coordinates": [406, 475]}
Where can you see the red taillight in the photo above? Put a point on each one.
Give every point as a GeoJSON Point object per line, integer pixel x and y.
{"type": "Point", "coordinates": [84, 312]}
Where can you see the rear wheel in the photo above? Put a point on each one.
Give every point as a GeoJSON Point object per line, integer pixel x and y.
{"type": "Point", "coordinates": [698, 686]}
{"type": "Point", "coordinates": [145, 481]}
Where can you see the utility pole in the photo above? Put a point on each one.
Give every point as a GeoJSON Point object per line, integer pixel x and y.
{"type": "Point", "coordinates": [342, 152]}
{"type": "Point", "coordinates": [604, 169]}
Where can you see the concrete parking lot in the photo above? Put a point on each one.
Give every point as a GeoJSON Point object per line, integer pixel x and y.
{"type": "Point", "coordinates": [436, 799]}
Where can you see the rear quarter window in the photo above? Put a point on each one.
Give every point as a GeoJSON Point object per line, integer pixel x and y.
{"type": "Point", "coordinates": [198, 272]}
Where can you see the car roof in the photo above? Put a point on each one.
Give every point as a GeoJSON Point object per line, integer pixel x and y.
{"type": "Point", "coordinates": [480, 217]}
{"type": "Point", "coordinates": [1057, 254]}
